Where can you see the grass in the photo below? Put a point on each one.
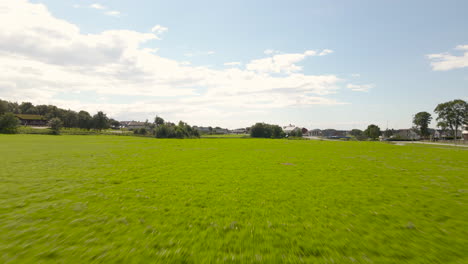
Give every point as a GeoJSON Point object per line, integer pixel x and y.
{"type": "Point", "coordinates": [113, 199]}
{"type": "Point", "coordinates": [225, 136]}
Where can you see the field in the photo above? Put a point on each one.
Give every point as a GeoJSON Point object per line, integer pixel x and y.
{"type": "Point", "coordinates": [114, 199]}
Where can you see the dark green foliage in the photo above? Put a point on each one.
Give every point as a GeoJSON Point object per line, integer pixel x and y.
{"type": "Point", "coordinates": [84, 120]}
{"type": "Point", "coordinates": [262, 130]}
{"type": "Point", "coordinates": [100, 121]}
{"type": "Point", "coordinates": [114, 123]}
{"type": "Point", "coordinates": [296, 133]}
{"type": "Point", "coordinates": [140, 131]}
{"type": "Point", "coordinates": [452, 114]}
{"type": "Point", "coordinates": [3, 107]}
{"type": "Point", "coordinates": [422, 120]}
{"type": "Point", "coordinates": [70, 119]}
{"type": "Point", "coordinates": [8, 123]}
{"type": "Point", "coordinates": [158, 121]}
{"type": "Point", "coordinates": [55, 125]}
{"type": "Point", "coordinates": [372, 131]}
{"type": "Point", "coordinates": [170, 130]}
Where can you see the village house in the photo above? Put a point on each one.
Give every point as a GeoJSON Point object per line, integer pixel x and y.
{"type": "Point", "coordinates": [32, 120]}
{"type": "Point", "coordinates": [315, 133]}
{"type": "Point", "coordinates": [290, 128]}
{"type": "Point", "coordinates": [406, 134]}
{"type": "Point", "coordinates": [133, 124]}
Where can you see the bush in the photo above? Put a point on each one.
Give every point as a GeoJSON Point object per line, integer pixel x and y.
{"type": "Point", "coordinates": [169, 130]}
{"type": "Point", "coordinates": [55, 125]}
{"type": "Point", "coordinates": [8, 123]}
{"type": "Point", "coordinates": [262, 130]}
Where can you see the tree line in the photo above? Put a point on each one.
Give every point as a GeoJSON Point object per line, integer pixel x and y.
{"type": "Point", "coordinates": [56, 117]}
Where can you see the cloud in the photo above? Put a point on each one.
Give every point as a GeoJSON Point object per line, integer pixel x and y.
{"type": "Point", "coordinates": [446, 61]}
{"type": "Point", "coordinates": [113, 13]}
{"type": "Point", "coordinates": [325, 52]}
{"type": "Point", "coordinates": [234, 63]}
{"type": "Point", "coordinates": [282, 63]}
{"type": "Point", "coordinates": [97, 6]}
{"type": "Point", "coordinates": [271, 51]}
{"type": "Point", "coordinates": [360, 87]}
{"type": "Point", "coordinates": [158, 29]}
{"type": "Point", "coordinates": [48, 60]}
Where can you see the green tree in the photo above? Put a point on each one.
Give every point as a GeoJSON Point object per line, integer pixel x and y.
{"type": "Point", "coordinates": [356, 132]}
{"type": "Point", "coordinates": [3, 107]}
{"type": "Point", "coordinates": [27, 108]}
{"type": "Point", "coordinates": [372, 131]}
{"type": "Point", "coordinates": [262, 130]}
{"type": "Point", "coordinates": [84, 120]}
{"type": "Point", "coordinates": [100, 121]}
{"type": "Point", "coordinates": [422, 120]}
{"type": "Point", "coordinates": [8, 123]}
{"type": "Point", "coordinates": [114, 123]}
{"type": "Point", "coordinates": [55, 125]}
{"type": "Point", "coordinates": [453, 114]}
{"type": "Point", "coordinates": [70, 119]}
{"type": "Point", "coordinates": [158, 121]}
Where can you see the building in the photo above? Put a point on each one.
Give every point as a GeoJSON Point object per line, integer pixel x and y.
{"type": "Point", "coordinates": [406, 134]}
{"type": "Point", "coordinates": [239, 131]}
{"type": "Point", "coordinates": [32, 120]}
{"type": "Point", "coordinates": [290, 128]}
{"type": "Point", "coordinates": [133, 124]}
{"type": "Point", "coordinates": [315, 133]}
{"type": "Point", "coordinates": [465, 134]}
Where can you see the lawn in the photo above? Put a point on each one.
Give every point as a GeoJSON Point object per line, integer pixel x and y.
{"type": "Point", "coordinates": [114, 199]}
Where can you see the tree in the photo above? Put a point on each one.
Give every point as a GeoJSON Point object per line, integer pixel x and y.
{"type": "Point", "coordinates": [262, 130]}
{"type": "Point", "coordinates": [70, 119]}
{"type": "Point", "coordinates": [422, 120]}
{"type": "Point", "coordinates": [84, 120]}
{"type": "Point", "coordinates": [453, 114]}
{"type": "Point", "coordinates": [8, 123]}
{"type": "Point", "coordinates": [356, 132]}
{"type": "Point", "coordinates": [372, 131]}
{"type": "Point", "coordinates": [114, 123]}
{"type": "Point", "coordinates": [100, 121]}
{"type": "Point", "coordinates": [27, 108]}
{"type": "Point", "coordinates": [158, 121]}
{"type": "Point", "coordinates": [55, 125]}
{"type": "Point", "coordinates": [3, 107]}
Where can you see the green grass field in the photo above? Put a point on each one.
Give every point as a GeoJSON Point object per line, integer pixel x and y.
{"type": "Point", "coordinates": [113, 199]}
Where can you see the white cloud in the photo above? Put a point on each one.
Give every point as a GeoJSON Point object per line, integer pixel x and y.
{"type": "Point", "coordinates": [113, 13]}
{"type": "Point", "coordinates": [97, 6]}
{"type": "Point", "coordinates": [234, 63]}
{"type": "Point", "coordinates": [446, 61]}
{"type": "Point", "coordinates": [360, 87]}
{"type": "Point", "coordinates": [158, 29]}
{"type": "Point", "coordinates": [281, 63]}
{"type": "Point", "coordinates": [271, 51]}
{"type": "Point", "coordinates": [44, 59]}
{"type": "Point", "coordinates": [325, 52]}
{"type": "Point", "coordinates": [355, 75]}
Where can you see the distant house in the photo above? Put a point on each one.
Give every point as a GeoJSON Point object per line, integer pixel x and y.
{"type": "Point", "coordinates": [333, 133]}
{"type": "Point", "coordinates": [406, 134]}
{"type": "Point", "coordinates": [239, 131]}
{"type": "Point", "coordinates": [290, 128]}
{"type": "Point", "coordinates": [133, 124]}
{"type": "Point", "coordinates": [315, 133]}
{"type": "Point", "coordinates": [220, 130]}
{"type": "Point", "coordinates": [202, 129]}
{"type": "Point", "coordinates": [32, 120]}
{"type": "Point", "coordinates": [465, 134]}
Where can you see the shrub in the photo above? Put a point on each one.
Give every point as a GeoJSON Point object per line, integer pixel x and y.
{"type": "Point", "coordinates": [55, 125]}
{"type": "Point", "coordinates": [8, 123]}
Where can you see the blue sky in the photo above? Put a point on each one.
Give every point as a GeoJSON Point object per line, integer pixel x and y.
{"type": "Point", "coordinates": [318, 64]}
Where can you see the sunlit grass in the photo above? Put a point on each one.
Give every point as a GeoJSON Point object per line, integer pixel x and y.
{"type": "Point", "coordinates": [112, 199]}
